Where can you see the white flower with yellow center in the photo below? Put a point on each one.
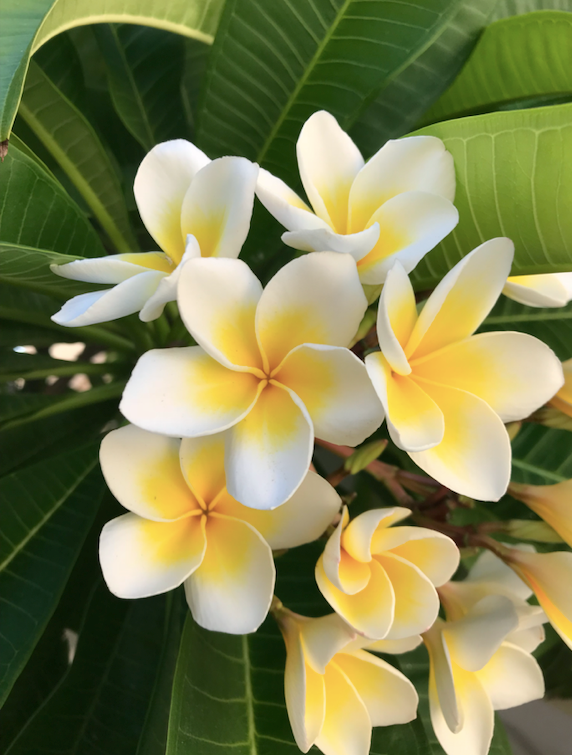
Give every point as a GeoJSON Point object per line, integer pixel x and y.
{"type": "Point", "coordinates": [192, 207]}
{"type": "Point", "coordinates": [381, 579]}
{"type": "Point", "coordinates": [447, 392]}
{"type": "Point", "coordinates": [335, 691]}
{"type": "Point", "coordinates": [480, 658]}
{"type": "Point", "coordinates": [185, 528]}
{"type": "Point", "coordinates": [397, 206]}
{"type": "Point", "coordinates": [547, 290]}
{"type": "Point", "coordinates": [271, 369]}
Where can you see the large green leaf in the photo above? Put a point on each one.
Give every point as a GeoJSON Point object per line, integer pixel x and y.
{"type": "Point", "coordinates": [73, 142]}
{"type": "Point", "coordinates": [36, 212]}
{"type": "Point", "coordinates": [228, 692]}
{"type": "Point", "coordinates": [542, 455]}
{"type": "Point", "coordinates": [506, 8]}
{"type": "Point", "coordinates": [30, 268]}
{"type": "Point", "coordinates": [399, 105]}
{"type": "Point", "coordinates": [46, 511]}
{"type": "Point", "coordinates": [514, 178]}
{"type": "Point", "coordinates": [272, 66]}
{"type": "Point", "coordinates": [517, 59]}
{"type": "Point", "coordinates": [145, 68]}
{"type": "Point", "coordinates": [26, 26]}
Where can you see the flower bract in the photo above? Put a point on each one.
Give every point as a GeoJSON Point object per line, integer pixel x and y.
{"type": "Point", "coordinates": [271, 369]}
{"type": "Point", "coordinates": [185, 528]}
{"type": "Point", "coordinates": [397, 206]}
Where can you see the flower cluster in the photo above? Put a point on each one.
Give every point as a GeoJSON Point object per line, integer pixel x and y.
{"type": "Point", "coordinates": [215, 467]}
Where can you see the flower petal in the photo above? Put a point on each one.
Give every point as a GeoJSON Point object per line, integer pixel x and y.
{"type": "Point", "coordinates": [389, 697]}
{"type": "Point", "coordinates": [551, 503]}
{"type": "Point", "coordinates": [474, 457]}
{"type": "Point", "coordinates": [410, 224]}
{"type": "Point", "coordinates": [316, 298]}
{"type": "Point", "coordinates": [320, 239]}
{"type": "Point", "coordinates": [217, 207]}
{"type": "Point", "coordinates": [160, 186]}
{"type": "Point", "coordinates": [285, 205]}
{"type": "Point", "coordinates": [333, 385]}
{"type": "Point", "coordinates": [302, 519]}
{"type": "Point", "coordinates": [185, 393]}
{"type": "Point", "coordinates": [347, 726]}
{"type": "Point", "coordinates": [167, 288]}
{"type": "Point", "coordinates": [232, 589]}
{"type": "Point", "coordinates": [322, 638]}
{"type": "Point", "coordinates": [202, 464]}
{"type": "Point", "coordinates": [415, 422]}
{"type": "Point", "coordinates": [143, 472]}
{"type": "Point", "coordinates": [370, 611]}
{"type": "Point", "coordinates": [514, 373]}
{"type": "Point", "coordinates": [328, 161]}
{"type": "Point", "coordinates": [462, 299]}
{"type": "Point", "coordinates": [442, 693]}
{"type": "Point", "coordinates": [548, 290]}
{"type": "Point", "coordinates": [475, 638]}
{"type": "Point", "coordinates": [416, 600]}
{"type": "Point", "coordinates": [416, 163]}
{"type": "Point", "coordinates": [512, 677]}
{"type": "Point", "coordinates": [343, 571]}
{"type": "Point", "coordinates": [268, 453]}
{"type": "Point", "coordinates": [489, 570]}
{"type": "Point", "coordinates": [396, 318]}
{"type": "Point", "coordinates": [140, 558]}
{"type": "Point", "coordinates": [217, 301]}
{"type": "Point", "coordinates": [124, 299]}
{"type": "Point", "coordinates": [115, 268]}
{"type": "Point", "coordinates": [435, 554]}
{"type": "Point", "coordinates": [359, 535]}
{"type": "Point", "coordinates": [395, 647]}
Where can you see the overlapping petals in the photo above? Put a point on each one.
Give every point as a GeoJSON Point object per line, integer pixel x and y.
{"type": "Point", "coordinates": [381, 579]}
{"type": "Point", "coordinates": [335, 691]}
{"type": "Point", "coordinates": [547, 290]}
{"type": "Point", "coordinates": [551, 502]}
{"type": "Point", "coordinates": [271, 368]}
{"type": "Point", "coordinates": [192, 207]}
{"type": "Point", "coordinates": [397, 206]}
{"type": "Point", "coordinates": [447, 392]}
{"type": "Point", "coordinates": [184, 527]}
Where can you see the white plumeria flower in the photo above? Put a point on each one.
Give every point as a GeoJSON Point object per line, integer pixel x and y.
{"type": "Point", "coordinates": [447, 392]}
{"type": "Point", "coordinates": [480, 661]}
{"type": "Point", "coordinates": [335, 691]}
{"type": "Point", "coordinates": [185, 528]}
{"type": "Point", "coordinates": [271, 369]}
{"type": "Point", "coordinates": [397, 206]}
{"type": "Point", "coordinates": [381, 579]}
{"type": "Point", "coordinates": [192, 207]}
{"type": "Point", "coordinates": [547, 290]}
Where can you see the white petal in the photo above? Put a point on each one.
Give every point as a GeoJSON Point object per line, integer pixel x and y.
{"type": "Point", "coordinates": [183, 392]}
{"type": "Point", "coordinates": [232, 589]}
{"type": "Point", "coordinates": [324, 637]}
{"type": "Point", "coordinates": [512, 677]}
{"type": "Point", "coordinates": [217, 207]}
{"type": "Point", "coordinates": [285, 204]}
{"type": "Point", "coordinates": [316, 298]}
{"type": "Point", "coordinates": [160, 186]}
{"type": "Point", "coordinates": [416, 163]}
{"type": "Point", "coordinates": [143, 472]}
{"type": "Point", "coordinates": [124, 299]}
{"type": "Point", "coordinates": [343, 571]}
{"type": "Point", "coordinates": [442, 693]}
{"type": "Point", "coordinates": [217, 301]}
{"type": "Point", "coordinates": [112, 269]}
{"type": "Point", "coordinates": [548, 290]}
{"type": "Point", "coordinates": [347, 726]}
{"type": "Point", "coordinates": [358, 538]}
{"type": "Point", "coordinates": [395, 647]}
{"type": "Point", "coordinates": [396, 317]}
{"type": "Point", "coordinates": [167, 288]}
{"type": "Point", "coordinates": [268, 453]}
{"type": "Point", "coordinates": [140, 558]}
{"type": "Point", "coordinates": [324, 239]}
{"type": "Point", "coordinates": [334, 386]}
{"type": "Point", "coordinates": [488, 569]}
{"type": "Point", "coordinates": [328, 161]}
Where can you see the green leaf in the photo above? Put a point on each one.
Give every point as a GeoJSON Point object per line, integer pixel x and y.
{"type": "Point", "coordinates": [16, 334]}
{"type": "Point", "coordinates": [271, 67]}
{"type": "Point", "coordinates": [144, 69]}
{"type": "Point", "coordinates": [72, 141]}
{"type": "Point", "coordinates": [507, 8]}
{"type": "Point", "coordinates": [517, 59]}
{"type": "Point", "coordinates": [509, 183]}
{"type": "Point", "coordinates": [41, 215]}
{"type": "Point", "coordinates": [195, 66]}
{"type": "Point", "coordinates": [228, 692]}
{"type": "Point", "coordinates": [27, 26]}
{"type": "Point", "coordinates": [400, 105]}
{"type": "Point", "coordinates": [542, 455]}
{"type": "Point", "coordinates": [46, 511]}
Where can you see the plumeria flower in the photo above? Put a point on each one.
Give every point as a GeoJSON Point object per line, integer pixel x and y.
{"type": "Point", "coordinates": [553, 503]}
{"type": "Point", "coordinates": [397, 206]}
{"type": "Point", "coordinates": [335, 691]}
{"type": "Point", "coordinates": [547, 290]}
{"type": "Point", "coordinates": [381, 579]}
{"type": "Point", "coordinates": [563, 399]}
{"type": "Point", "coordinates": [480, 662]}
{"type": "Point", "coordinates": [271, 369]}
{"type": "Point", "coordinates": [185, 528]}
{"type": "Point", "coordinates": [447, 392]}
{"type": "Point", "coordinates": [192, 207]}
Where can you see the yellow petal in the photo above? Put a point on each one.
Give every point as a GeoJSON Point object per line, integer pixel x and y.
{"type": "Point", "coordinates": [396, 318]}
{"type": "Point", "coordinates": [358, 537]}
{"type": "Point", "coordinates": [551, 503]}
{"type": "Point", "coordinates": [345, 573]}
{"type": "Point", "coordinates": [202, 463]}
{"type": "Point", "coordinates": [347, 726]}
